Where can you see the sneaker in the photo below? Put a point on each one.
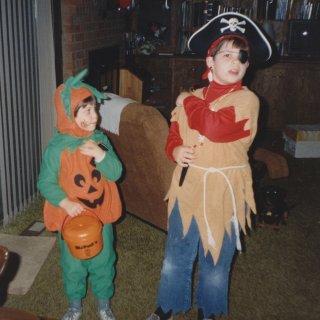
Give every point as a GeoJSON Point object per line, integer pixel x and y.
{"type": "Point", "coordinates": [72, 314]}
{"type": "Point", "coordinates": [106, 313]}
{"type": "Point", "coordinates": [201, 317]}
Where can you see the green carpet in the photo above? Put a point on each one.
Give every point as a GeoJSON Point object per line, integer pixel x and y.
{"type": "Point", "coordinates": [277, 277]}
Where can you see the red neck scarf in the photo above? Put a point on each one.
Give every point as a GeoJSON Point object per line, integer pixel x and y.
{"type": "Point", "coordinates": [216, 90]}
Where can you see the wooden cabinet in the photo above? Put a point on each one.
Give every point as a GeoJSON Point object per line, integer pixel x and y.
{"type": "Point", "coordinates": [172, 74]}
{"type": "Point", "coordinates": [288, 90]}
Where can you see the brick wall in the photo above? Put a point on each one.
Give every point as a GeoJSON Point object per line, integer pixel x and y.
{"type": "Point", "coordinates": [86, 25]}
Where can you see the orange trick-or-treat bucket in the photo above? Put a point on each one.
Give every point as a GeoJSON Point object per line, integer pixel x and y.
{"type": "Point", "coordinates": [83, 235]}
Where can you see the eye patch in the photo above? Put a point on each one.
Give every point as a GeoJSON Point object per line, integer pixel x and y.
{"type": "Point", "coordinates": [243, 56]}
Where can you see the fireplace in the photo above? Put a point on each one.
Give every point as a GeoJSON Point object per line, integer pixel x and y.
{"type": "Point", "coordinates": [104, 68]}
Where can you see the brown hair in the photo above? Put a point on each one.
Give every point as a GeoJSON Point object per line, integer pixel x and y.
{"type": "Point", "coordinates": [236, 43]}
{"type": "Point", "coordinates": [84, 103]}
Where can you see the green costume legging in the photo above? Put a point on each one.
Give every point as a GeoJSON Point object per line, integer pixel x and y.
{"type": "Point", "coordinates": [100, 269]}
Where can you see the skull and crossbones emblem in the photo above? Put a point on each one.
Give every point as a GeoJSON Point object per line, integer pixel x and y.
{"type": "Point", "coordinates": [233, 25]}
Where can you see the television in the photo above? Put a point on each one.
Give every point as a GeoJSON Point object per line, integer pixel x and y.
{"type": "Point", "coordinates": [303, 38]}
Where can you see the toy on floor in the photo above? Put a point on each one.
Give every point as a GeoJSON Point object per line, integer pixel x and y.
{"type": "Point", "coordinates": [271, 206]}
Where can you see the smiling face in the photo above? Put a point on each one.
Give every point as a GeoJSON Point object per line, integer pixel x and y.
{"type": "Point", "coordinates": [87, 117]}
{"type": "Point", "coordinates": [226, 67]}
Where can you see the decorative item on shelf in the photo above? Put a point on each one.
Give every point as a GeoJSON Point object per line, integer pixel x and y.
{"type": "Point", "coordinates": [126, 4]}
{"type": "Point", "coordinates": [147, 48]}
{"type": "Point", "coordinates": [309, 10]}
{"type": "Point", "coordinates": [104, 7]}
{"type": "Point", "coordinates": [282, 9]}
{"type": "Point", "coordinates": [267, 25]}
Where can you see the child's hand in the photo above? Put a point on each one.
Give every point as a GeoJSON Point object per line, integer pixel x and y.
{"type": "Point", "coordinates": [90, 148]}
{"type": "Point", "coordinates": [72, 208]}
{"type": "Point", "coordinates": [183, 155]}
{"type": "Point", "coordinates": [181, 97]}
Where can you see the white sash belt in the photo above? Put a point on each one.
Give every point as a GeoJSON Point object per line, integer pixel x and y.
{"type": "Point", "coordinates": [234, 218]}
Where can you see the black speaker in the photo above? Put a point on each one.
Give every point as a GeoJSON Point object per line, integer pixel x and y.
{"type": "Point", "coordinates": [303, 38]}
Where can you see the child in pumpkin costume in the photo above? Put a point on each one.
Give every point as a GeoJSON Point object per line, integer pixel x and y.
{"type": "Point", "coordinates": [77, 173]}
{"type": "Point", "coordinates": [210, 197]}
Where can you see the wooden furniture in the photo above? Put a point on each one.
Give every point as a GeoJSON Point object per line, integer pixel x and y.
{"type": "Point", "coordinates": [289, 92]}
{"type": "Point", "coordinates": [15, 314]}
{"type": "Point", "coordinates": [130, 85]}
{"type": "Point", "coordinates": [288, 89]}
{"type": "Point", "coordinates": [140, 145]}
{"type": "Point", "coordinates": [4, 257]}
{"type": "Point", "coordinates": [147, 170]}
{"type": "Point", "coordinates": [182, 18]}
{"type": "Point", "coordinates": [104, 68]}
{"type": "Point", "coordinates": [11, 313]}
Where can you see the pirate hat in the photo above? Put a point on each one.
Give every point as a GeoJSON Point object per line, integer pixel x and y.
{"type": "Point", "coordinates": [231, 24]}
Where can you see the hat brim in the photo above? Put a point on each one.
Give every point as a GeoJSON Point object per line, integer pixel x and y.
{"type": "Point", "coordinates": [232, 23]}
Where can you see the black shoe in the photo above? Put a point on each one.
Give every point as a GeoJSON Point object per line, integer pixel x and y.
{"type": "Point", "coordinates": [201, 316]}
{"type": "Point", "coordinates": [160, 315]}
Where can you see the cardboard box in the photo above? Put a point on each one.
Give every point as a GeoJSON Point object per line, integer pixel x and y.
{"type": "Point", "coordinates": [302, 141]}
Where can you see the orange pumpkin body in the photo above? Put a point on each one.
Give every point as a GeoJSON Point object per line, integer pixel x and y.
{"type": "Point", "coordinates": [83, 183]}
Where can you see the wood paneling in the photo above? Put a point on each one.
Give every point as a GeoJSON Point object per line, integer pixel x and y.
{"type": "Point", "coordinates": [288, 90]}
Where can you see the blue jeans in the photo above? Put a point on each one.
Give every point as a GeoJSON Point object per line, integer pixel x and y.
{"type": "Point", "coordinates": [176, 275]}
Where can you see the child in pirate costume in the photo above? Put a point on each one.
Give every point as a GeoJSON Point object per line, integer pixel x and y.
{"type": "Point", "coordinates": [210, 197]}
{"type": "Point", "coordinates": [77, 174]}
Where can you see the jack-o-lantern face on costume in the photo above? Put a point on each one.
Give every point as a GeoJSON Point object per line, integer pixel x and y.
{"type": "Point", "coordinates": [94, 197]}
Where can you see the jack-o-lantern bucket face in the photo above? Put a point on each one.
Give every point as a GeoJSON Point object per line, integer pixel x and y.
{"type": "Point", "coordinates": [94, 196]}
{"type": "Point", "coordinates": [81, 180]}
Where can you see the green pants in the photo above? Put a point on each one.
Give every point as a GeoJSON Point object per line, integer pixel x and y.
{"type": "Point", "coordinates": [99, 268]}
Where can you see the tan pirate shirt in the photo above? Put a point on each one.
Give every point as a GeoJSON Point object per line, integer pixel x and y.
{"type": "Point", "coordinates": [218, 187]}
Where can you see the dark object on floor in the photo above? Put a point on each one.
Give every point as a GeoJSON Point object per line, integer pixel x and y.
{"type": "Point", "coordinates": [15, 314]}
{"type": "Point", "coordinates": [201, 316]}
{"type": "Point", "coordinates": [4, 256]}
{"type": "Point", "coordinates": [259, 170]}
{"type": "Point", "coordinates": [11, 313]}
{"type": "Point", "coordinates": [271, 206]}
{"type": "Point", "coordinates": [162, 315]}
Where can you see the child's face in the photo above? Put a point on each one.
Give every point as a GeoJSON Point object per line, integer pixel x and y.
{"type": "Point", "coordinates": [226, 67]}
{"type": "Point", "coordinates": [87, 117]}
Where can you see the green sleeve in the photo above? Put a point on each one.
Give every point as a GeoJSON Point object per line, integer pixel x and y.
{"type": "Point", "coordinates": [110, 166]}
{"type": "Point", "coordinates": [48, 180]}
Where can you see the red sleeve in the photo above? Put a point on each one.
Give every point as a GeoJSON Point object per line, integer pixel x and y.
{"type": "Point", "coordinates": [173, 140]}
{"type": "Point", "coordinates": [220, 126]}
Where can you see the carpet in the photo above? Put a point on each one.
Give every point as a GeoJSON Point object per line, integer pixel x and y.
{"type": "Point", "coordinates": [27, 255]}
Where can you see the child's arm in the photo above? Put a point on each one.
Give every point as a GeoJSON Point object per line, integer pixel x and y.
{"type": "Point", "coordinates": [175, 149]}
{"type": "Point", "coordinates": [106, 161]}
{"type": "Point", "coordinates": [48, 180]}
{"type": "Point", "coordinates": [217, 126]}
{"type": "Point", "coordinates": [173, 140]}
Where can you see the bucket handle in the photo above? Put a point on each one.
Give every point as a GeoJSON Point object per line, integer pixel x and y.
{"type": "Point", "coordinates": [67, 217]}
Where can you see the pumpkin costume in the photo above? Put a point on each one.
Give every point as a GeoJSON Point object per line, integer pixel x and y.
{"type": "Point", "coordinates": [66, 173]}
